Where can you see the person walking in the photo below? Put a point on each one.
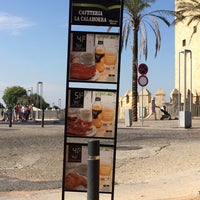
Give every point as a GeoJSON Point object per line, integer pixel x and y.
{"type": "Point", "coordinates": [153, 107]}
{"type": "Point", "coordinates": [16, 112]}
{"type": "Point", "coordinates": [10, 115]}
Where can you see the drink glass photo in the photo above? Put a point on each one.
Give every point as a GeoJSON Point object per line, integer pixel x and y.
{"type": "Point", "coordinates": [110, 58]}
{"type": "Point", "coordinates": [108, 115]}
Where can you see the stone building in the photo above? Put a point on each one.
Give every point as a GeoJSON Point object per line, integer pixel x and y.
{"type": "Point", "coordinates": [187, 38]}
{"type": "Point", "coordinates": [144, 103]}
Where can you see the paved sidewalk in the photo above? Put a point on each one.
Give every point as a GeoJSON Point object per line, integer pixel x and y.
{"type": "Point", "coordinates": [152, 190]}
{"type": "Point", "coordinates": [127, 192]}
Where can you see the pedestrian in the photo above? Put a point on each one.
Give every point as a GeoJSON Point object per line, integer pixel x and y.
{"type": "Point", "coordinates": [5, 116]}
{"type": "Point", "coordinates": [2, 113]}
{"type": "Point", "coordinates": [16, 112]}
{"type": "Point", "coordinates": [153, 107]}
{"type": "Point", "coordinates": [10, 115]}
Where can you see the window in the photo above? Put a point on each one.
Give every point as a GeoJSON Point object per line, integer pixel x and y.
{"type": "Point", "coordinates": [184, 42]}
{"type": "Point", "coordinates": [127, 99]}
{"type": "Point", "coordinates": [194, 29]}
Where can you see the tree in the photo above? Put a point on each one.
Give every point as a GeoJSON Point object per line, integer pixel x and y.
{"type": "Point", "coordinates": [33, 99]}
{"type": "Point", "coordinates": [38, 101]}
{"type": "Point", "coordinates": [11, 94]}
{"type": "Point", "coordinates": [18, 95]}
{"type": "Point", "coordinates": [138, 19]}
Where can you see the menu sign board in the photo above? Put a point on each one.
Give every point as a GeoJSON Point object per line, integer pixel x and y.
{"type": "Point", "coordinates": [94, 57]}
{"type": "Point", "coordinates": [77, 164]}
{"type": "Point", "coordinates": [94, 12]}
{"type": "Point", "coordinates": [93, 62]}
{"type": "Point", "coordinates": [91, 113]}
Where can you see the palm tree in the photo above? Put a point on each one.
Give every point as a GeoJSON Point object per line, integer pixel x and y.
{"type": "Point", "coordinates": [188, 10]}
{"type": "Point", "coordinates": [136, 20]}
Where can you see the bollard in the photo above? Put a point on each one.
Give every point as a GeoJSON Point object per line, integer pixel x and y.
{"type": "Point", "coordinates": [42, 122]}
{"type": "Point", "coordinates": [93, 170]}
{"type": "Point", "coordinates": [10, 121]}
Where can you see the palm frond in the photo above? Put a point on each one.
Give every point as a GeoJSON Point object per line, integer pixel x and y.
{"type": "Point", "coordinates": [160, 15]}
{"type": "Point", "coordinates": [126, 32]}
{"type": "Point", "coordinates": [143, 41]}
{"type": "Point", "coordinates": [193, 19]}
{"type": "Point", "coordinates": [189, 10]}
{"type": "Point", "coordinates": [155, 29]}
{"type": "Point", "coordinates": [194, 31]}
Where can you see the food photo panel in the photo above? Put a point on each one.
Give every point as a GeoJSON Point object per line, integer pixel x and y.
{"type": "Point", "coordinates": [91, 113]}
{"type": "Point", "coordinates": [93, 57]}
{"type": "Point", "coordinates": [77, 166]}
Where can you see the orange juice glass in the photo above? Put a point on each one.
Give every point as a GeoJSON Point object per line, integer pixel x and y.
{"type": "Point", "coordinates": [105, 170]}
{"type": "Point", "coordinates": [110, 58]}
{"type": "Point", "coordinates": [107, 115]}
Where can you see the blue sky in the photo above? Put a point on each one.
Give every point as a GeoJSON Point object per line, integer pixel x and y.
{"type": "Point", "coordinates": [33, 48]}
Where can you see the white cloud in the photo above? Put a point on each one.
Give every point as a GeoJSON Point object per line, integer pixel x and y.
{"type": "Point", "coordinates": [13, 24]}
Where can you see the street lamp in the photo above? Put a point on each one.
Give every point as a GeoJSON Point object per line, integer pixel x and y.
{"type": "Point", "coordinates": [29, 91]}
{"type": "Point", "coordinates": [39, 92]}
{"type": "Point", "coordinates": [185, 115]}
{"type": "Point", "coordinates": [59, 103]}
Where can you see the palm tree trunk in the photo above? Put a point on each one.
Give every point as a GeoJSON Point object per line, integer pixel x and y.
{"type": "Point", "coordinates": [134, 75]}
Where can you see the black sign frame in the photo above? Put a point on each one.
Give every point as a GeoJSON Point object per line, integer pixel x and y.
{"type": "Point", "coordinates": [112, 10]}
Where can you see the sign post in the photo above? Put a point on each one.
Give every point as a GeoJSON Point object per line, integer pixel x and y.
{"type": "Point", "coordinates": [142, 81]}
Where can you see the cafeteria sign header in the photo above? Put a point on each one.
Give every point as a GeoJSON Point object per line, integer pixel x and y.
{"type": "Point", "coordinates": [102, 13]}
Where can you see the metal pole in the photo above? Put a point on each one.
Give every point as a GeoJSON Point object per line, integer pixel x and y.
{"type": "Point", "coordinates": [59, 103]}
{"type": "Point", "coordinates": [179, 100]}
{"type": "Point", "coordinates": [186, 117]}
{"type": "Point", "coordinates": [185, 68]}
{"type": "Point", "coordinates": [41, 98]}
{"type": "Point", "coordinates": [37, 95]}
{"type": "Point", "coordinates": [142, 106]}
{"type": "Point", "coordinates": [191, 100]}
{"type": "Point", "coordinates": [185, 75]}
{"type": "Point", "coordinates": [40, 92]}
{"type": "Point", "coordinates": [93, 170]}
{"type": "Point", "coordinates": [42, 122]}
{"type": "Point", "coordinates": [41, 103]}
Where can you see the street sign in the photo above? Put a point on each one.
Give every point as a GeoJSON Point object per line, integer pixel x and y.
{"type": "Point", "coordinates": [142, 68]}
{"type": "Point", "coordinates": [143, 80]}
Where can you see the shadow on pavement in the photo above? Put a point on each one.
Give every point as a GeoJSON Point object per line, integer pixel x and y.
{"type": "Point", "coordinates": [14, 184]}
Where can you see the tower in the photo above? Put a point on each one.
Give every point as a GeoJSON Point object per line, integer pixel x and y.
{"type": "Point", "coordinates": [187, 37]}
